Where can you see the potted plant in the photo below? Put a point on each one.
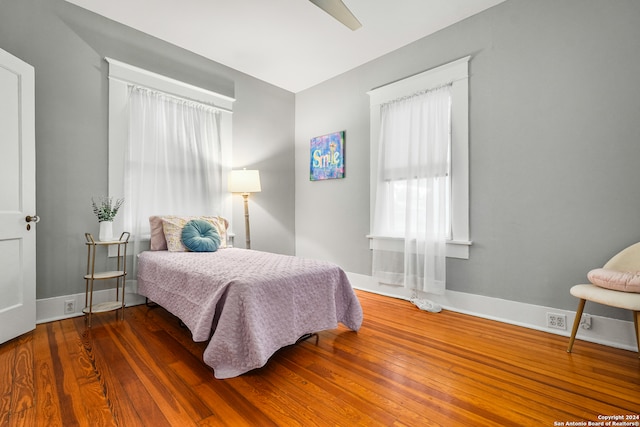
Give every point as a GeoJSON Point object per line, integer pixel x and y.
{"type": "Point", "coordinates": [106, 210]}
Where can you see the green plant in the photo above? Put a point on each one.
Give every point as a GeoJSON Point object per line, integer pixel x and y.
{"type": "Point", "coordinates": [106, 209]}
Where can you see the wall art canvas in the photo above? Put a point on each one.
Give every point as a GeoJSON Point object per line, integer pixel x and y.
{"type": "Point", "coordinates": [327, 156]}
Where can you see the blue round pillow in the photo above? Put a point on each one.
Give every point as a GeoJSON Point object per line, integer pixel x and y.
{"type": "Point", "coordinates": [199, 235]}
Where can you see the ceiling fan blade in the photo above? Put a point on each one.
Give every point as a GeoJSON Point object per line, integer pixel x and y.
{"type": "Point", "coordinates": [339, 11]}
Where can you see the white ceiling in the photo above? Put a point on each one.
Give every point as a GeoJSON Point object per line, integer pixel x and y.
{"type": "Point", "coordinates": [289, 43]}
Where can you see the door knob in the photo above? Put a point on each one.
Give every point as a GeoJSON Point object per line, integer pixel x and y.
{"type": "Point", "coordinates": [34, 218]}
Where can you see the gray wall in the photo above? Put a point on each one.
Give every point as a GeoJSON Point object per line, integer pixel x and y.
{"type": "Point", "coordinates": [554, 147]}
{"type": "Point", "coordinates": [66, 45]}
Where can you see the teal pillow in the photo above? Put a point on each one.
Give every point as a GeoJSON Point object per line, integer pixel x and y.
{"type": "Point", "coordinates": [199, 235]}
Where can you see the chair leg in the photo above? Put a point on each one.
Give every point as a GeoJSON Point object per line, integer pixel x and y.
{"type": "Point", "coordinates": [636, 321]}
{"type": "Point", "coordinates": [576, 324]}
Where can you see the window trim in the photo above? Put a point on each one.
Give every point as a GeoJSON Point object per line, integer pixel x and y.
{"type": "Point", "coordinates": [120, 76]}
{"type": "Point", "coordinates": [457, 73]}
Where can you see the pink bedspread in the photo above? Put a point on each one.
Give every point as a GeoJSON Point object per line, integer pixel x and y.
{"type": "Point", "coordinates": [248, 303]}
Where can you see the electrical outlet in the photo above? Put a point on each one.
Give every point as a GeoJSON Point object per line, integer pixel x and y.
{"type": "Point", "coordinates": [69, 306]}
{"type": "Point", "coordinates": [585, 321]}
{"type": "Point", "coordinates": [556, 321]}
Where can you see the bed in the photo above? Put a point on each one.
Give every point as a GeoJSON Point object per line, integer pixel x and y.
{"type": "Point", "coordinates": [247, 303]}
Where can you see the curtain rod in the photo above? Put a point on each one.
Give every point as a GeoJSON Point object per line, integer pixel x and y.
{"type": "Point", "coordinates": [173, 95]}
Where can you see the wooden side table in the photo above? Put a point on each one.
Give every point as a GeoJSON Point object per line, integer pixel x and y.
{"type": "Point", "coordinates": [119, 275]}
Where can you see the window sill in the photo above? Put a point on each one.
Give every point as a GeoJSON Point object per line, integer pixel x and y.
{"type": "Point", "coordinates": [455, 248]}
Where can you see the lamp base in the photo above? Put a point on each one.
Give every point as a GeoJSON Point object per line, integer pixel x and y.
{"type": "Point", "coordinates": [247, 231]}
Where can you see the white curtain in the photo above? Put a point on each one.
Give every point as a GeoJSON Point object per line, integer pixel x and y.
{"type": "Point", "coordinates": [412, 197]}
{"type": "Point", "coordinates": [172, 160]}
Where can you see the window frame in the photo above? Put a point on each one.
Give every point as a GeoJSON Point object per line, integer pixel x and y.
{"type": "Point", "coordinates": [457, 73]}
{"type": "Point", "coordinates": [121, 75]}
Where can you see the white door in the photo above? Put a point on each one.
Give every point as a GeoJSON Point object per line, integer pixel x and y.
{"type": "Point", "coordinates": [17, 198]}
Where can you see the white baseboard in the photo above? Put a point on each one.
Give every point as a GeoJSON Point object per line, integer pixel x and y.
{"type": "Point", "coordinates": [604, 330]}
{"type": "Point", "coordinates": [50, 309]}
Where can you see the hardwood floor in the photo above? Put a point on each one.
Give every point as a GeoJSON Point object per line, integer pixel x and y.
{"type": "Point", "coordinates": [404, 367]}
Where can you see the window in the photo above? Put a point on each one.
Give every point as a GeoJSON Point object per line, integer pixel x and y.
{"type": "Point", "coordinates": [414, 163]}
{"type": "Point", "coordinates": [172, 159]}
{"type": "Point", "coordinates": [454, 173]}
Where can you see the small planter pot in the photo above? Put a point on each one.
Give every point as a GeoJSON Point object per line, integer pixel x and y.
{"type": "Point", "coordinates": [106, 231]}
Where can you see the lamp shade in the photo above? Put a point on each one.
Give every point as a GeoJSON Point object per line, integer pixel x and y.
{"type": "Point", "coordinates": [244, 181]}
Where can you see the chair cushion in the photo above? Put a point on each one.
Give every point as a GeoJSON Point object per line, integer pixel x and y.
{"type": "Point", "coordinates": [616, 280]}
